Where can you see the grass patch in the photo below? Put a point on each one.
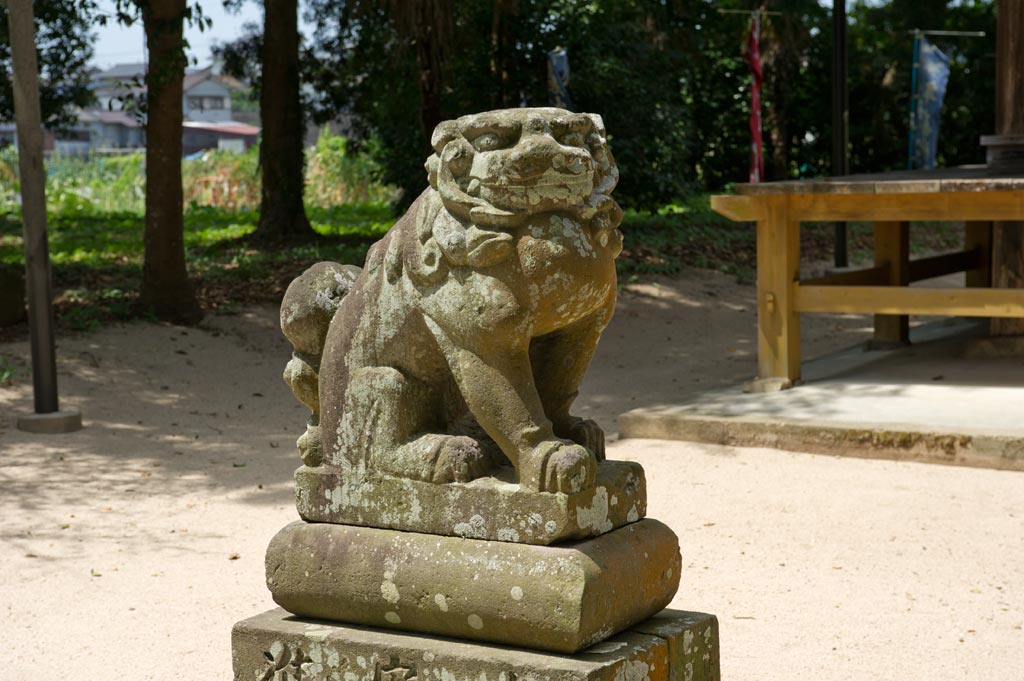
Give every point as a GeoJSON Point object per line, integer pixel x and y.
{"type": "Point", "coordinates": [690, 234]}
{"type": "Point", "coordinates": [97, 257]}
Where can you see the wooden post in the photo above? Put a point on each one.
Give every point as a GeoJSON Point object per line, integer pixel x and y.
{"type": "Point", "coordinates": [48, 417]}
{"type": "Point", "coordinates": [978, 237]}
{"type": "Point", "coordinates": [33, 202]}
{"type": "Point", "coordinates": [892, 249]}
{"type": "Point", "coordinates": [778, 322]}
{"type": "Point", "coordinates": [1008, 237]}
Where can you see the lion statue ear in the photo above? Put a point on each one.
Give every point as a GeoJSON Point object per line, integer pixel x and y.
{"type": "Point", "coordinates": [432, 165]}
{"type": "Point", "coordinates": [606, 173]}
{"type": "Point", "coordinates": [445, 132]}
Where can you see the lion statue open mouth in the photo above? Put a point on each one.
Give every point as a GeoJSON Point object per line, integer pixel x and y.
{"type": "Point", "coordinates": [461, 344]}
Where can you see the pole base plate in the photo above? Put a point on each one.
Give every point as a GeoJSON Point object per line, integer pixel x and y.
{"type": "Point", "coordinates": [63, 421]}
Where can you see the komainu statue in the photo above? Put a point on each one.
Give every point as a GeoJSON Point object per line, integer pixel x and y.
{"type": "Point", "coordinates": [461, 344]}
{"type": "Point", "coordinates": [447, 489]}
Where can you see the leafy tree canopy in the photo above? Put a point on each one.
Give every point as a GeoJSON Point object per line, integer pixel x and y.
{"type": "Point", "coordinates": [65, 45]}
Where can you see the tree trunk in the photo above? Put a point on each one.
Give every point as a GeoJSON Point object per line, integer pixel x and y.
{"type": "Point", "coordinates": [1008, 237]}
{"type": "Point", "coordinates": [282, 213]}
{"type": "Point", "coordinates": [166, 289]}
{"type": "Point", "coordinates": [501, 19]}
{"type": "Point", "coordinates": [427, 25]}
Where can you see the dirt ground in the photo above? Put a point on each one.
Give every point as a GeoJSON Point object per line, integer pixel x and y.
{"type": "Point", "coordinates": [130, 547]}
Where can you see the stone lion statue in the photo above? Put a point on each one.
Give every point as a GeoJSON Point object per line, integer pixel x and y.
{"type": "Point", "coordinates": [461, 344]}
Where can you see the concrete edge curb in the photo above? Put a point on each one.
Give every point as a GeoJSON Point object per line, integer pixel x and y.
{"type": "Point", "coordinates": [868, 441]}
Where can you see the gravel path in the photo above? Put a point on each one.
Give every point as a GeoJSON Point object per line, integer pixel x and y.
{"type": "Point", "coordinates": [130, 548]}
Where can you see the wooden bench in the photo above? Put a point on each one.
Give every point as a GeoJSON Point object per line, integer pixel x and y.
{"type": "Point", "coordinates": [976, 195]}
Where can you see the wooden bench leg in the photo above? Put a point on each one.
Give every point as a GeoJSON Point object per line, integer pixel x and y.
{"type": "Point", "coordinates": [892, 249]}
{"type": "Point", "coordinates": [778, 322]}
{"type": "Point", "coordinates": [978, 237]}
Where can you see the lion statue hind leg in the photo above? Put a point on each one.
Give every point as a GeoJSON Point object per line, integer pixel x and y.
{"type": "Point", "coordinates": [387, 421]}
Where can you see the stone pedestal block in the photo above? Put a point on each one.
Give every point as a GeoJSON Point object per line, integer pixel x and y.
{"type": "Point", "coordinates": [560, 598]}
{"type": "Point", "coordinates": [52, 423]}
{"type": "Point", "coordinates": [274, 646]}
{"type": "Point", "coordinates": [492, 508]}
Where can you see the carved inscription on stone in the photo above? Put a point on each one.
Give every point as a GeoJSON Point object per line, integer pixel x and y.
{"type": "Point", "coordinates": [285, 664]}
{"type": "Point", "coordinates": [394, 670]}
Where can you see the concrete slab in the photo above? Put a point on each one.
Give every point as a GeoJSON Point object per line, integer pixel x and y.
{"type": "Point", "coordinates": [938, 400]}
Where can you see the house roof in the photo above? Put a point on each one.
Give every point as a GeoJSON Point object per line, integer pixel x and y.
{"type": "Point", "coordinates": [121, 72]}
{"type": "Point", "coordinates": [227, 127]}
{"type": "Point", "coordinates": [124, 72]}
{"type": "Point", "coordinates": [197, 77]}
{"type": "Point", "coordinates": [124, 118]}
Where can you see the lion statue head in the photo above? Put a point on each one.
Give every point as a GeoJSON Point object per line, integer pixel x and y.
{"type": "Point", "coordinates": [497, 168]}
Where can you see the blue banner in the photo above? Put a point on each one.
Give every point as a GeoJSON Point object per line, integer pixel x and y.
{"type": "Point", "coordinates": [932, 78]}
{"type": "Point", "coordinates": [558, 78]}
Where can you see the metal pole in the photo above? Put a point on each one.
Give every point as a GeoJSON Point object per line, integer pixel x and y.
{"type": "Point", "coordinates": [840, 115]}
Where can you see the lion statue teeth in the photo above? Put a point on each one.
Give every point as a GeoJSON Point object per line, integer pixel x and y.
{"type": "Point", "coordinates": [461, 344]}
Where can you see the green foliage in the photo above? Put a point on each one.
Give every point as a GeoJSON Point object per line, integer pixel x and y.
{"type": "Point", "coordinates": [7, 372]}
{"type": "Point", "coordinates": [64, 45]}
{"type": "Point", "coordinates": [116, 185]}
{"type": "Point", "coordinates": [75, 185]}
{"type": "Point", "coordinates": [686, 234]}
{"type": "Point", "coordinates": [244, 99]}
{"type": "Point", "coordinates": [335, 175]}
{"type": "Point", "coordinates": [668, 77]}
{"type": "Point", "coordinates": [630, 63]}
{"type": "Point", "coordinates": [880, 66]}
{"type": "Point", "coordinates": [223, 179]}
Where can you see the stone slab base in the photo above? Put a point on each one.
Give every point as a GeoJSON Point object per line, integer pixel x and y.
{"type": "Point", "coordinates": [560, 598]}
{"type": "Point", "coordinates": [492, 508]}
{"type": "Point", "coordinates": [275, 646]}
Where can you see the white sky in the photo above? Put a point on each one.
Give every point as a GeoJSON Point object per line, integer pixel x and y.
{"type": "Point", "coordinates": [116, 44]}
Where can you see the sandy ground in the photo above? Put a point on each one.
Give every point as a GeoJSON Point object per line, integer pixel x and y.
{"type": "Point", "coordinates": [128, 549]}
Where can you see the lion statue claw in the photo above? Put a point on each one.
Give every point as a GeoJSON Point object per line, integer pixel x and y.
{"type": "Point", "coordinates": [461, 344]}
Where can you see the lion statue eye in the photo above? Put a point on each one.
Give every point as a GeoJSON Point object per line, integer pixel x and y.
{"type": "Point", "coordinates": [573, 139]}
{"type": "Point", "coordinates": [488, 141]}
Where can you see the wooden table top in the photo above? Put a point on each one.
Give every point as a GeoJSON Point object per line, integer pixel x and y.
{"type": "Point", "coordinates": [978, 178]}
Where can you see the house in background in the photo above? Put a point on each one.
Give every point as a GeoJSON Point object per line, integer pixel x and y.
{"type": "Point", "coordinates": [110, 126]}
{"type": "Point", "coordinates": [199, 136]}
{"type": "Point", "coordinates": [207, 96]}
{"type": "Point", "coordinates": [112, 129]}
{"type": "Point", "coordinates": [93, 131]}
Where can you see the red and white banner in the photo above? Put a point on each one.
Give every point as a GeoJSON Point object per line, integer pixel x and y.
{"type": "Point", "coordinates": [753, 57]}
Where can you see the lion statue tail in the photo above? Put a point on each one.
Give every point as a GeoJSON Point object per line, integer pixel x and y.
{"type": "Point", "coordinates": [307, 309]}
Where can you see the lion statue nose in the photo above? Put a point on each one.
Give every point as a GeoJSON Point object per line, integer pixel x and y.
{"type": "Point", "coordinates": [540, 152]}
